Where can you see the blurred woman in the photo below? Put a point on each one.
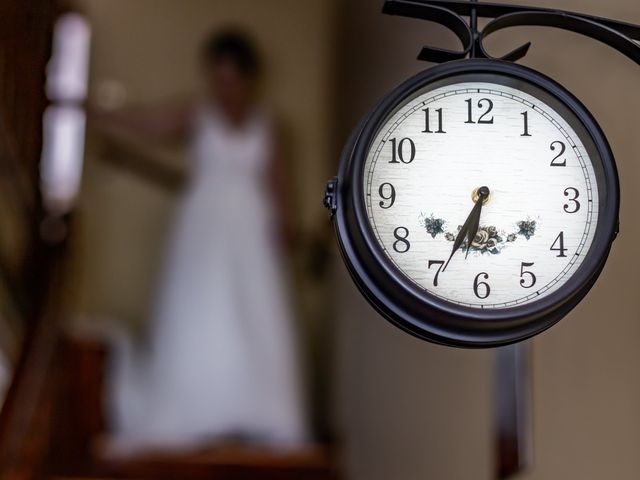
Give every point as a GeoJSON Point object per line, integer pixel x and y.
{"type": "Point", "coordinates": [220, 362]}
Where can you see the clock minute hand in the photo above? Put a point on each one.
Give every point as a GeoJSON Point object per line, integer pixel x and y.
{"type": "Point", "coordinates": [470, 226]}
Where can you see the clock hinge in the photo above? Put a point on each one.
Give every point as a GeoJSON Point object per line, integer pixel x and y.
{"type": "Point", "coordinates": [331, 196]}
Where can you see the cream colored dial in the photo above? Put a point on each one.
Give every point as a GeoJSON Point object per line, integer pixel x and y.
{"type": "Point", "coordinates": [425, 165]}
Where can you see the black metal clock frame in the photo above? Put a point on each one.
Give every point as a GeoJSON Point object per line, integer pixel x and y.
{"type": "Point", "coordinates": [398, 299]}
{"type": "Point", "coordinates": [412, 308]}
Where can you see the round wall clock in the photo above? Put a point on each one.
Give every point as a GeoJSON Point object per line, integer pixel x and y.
{"type": "Point", "coordinates": [476, 204]}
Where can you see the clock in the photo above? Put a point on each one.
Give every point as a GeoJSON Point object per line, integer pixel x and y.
{"type": "Point", "coordinates": [476, 204]}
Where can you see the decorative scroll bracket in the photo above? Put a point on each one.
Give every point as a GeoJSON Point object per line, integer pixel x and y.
{"type": "Point", "coordinates": [621, 36]}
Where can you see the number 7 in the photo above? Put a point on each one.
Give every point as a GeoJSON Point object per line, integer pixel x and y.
{"type": "Point", "coordinates": [436, 262]}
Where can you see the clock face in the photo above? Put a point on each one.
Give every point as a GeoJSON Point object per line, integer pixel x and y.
{"type": "Point", "coordinates": [512, 243]}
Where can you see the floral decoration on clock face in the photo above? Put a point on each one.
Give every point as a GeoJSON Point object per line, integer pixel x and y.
{"type": "Point", "coordinates": [488, 239]}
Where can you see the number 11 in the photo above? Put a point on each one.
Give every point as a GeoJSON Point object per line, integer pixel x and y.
{"type": "Point", "coordinates": [427, 128]}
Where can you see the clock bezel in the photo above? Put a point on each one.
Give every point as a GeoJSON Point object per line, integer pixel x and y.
{"type": "Point", "coordinates": [414, 309]}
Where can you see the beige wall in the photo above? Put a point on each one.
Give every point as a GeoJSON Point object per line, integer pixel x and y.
{"type": "Point", "coordinates": [418, 411]}
{"type": "Point", "coordinates": [406, 409]}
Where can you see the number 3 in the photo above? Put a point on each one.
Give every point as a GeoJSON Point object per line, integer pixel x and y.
{"type": "Point", "coordinates": [576, 204]}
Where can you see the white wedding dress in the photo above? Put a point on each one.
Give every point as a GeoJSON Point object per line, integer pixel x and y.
{"type": "Point", "coordinates": [220, 360]}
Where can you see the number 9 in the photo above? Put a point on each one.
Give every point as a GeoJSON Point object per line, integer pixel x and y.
{"type": "Point", "coordinates": [391, 196]}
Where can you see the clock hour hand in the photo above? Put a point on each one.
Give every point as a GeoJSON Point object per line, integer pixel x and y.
{"type": "Point", "coordinates": [474, 224]}
{"type": "Point", "coordinates": [470, 226]}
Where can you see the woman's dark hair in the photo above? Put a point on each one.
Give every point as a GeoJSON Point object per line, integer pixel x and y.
{"type": "Point", "coordinates": [233, 46]}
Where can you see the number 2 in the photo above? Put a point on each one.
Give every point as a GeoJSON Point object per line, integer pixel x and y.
{"type": "Point", "coordinates": [556, 162]}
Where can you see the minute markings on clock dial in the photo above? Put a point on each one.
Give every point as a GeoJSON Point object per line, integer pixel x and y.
{"type": "Point", "coordinates": [437, 149]}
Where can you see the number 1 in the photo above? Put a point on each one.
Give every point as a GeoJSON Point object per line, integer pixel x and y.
{"type": "Point", "coordinates": [526, 124]}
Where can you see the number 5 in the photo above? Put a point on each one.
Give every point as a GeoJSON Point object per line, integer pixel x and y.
{"type": "Point", "coordinates": [524, 272]}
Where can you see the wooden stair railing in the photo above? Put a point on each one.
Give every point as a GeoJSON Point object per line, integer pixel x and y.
{"type": "Point", "coordinates": [32, 269]}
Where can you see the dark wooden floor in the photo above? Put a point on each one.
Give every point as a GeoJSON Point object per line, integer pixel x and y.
{"type": "Point", "coordinates": [78, 437]}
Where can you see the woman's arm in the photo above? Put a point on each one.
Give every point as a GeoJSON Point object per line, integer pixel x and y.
{"type": "Point", "coordinates": [145, 164]}
{"type": "Point", "coordinates": [131, 137]}
{"type": "Point", "coordinates": [159, 124]}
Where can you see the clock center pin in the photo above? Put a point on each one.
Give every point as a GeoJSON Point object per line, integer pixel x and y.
{"type": "Point", "coordinates": [481, 192]}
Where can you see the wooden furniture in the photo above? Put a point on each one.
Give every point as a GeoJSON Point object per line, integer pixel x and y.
{"type": "Point", "coordinates": [76, 447]}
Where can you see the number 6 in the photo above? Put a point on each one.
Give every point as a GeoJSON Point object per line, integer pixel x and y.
{"type": "Point", "coordinates": [476, 285]}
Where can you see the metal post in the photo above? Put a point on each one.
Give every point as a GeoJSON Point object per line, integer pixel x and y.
{"type": "Point", "coordinates": [513, 409]}
{"type": "Point", "coordinates": [473, 23]}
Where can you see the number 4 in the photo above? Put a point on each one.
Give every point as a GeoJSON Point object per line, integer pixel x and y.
{"type": "Point", "coordinates": [559, 241]}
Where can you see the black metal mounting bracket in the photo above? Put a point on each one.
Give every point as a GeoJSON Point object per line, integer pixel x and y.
{"type": "Point", "coordinates": [621, 36]}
